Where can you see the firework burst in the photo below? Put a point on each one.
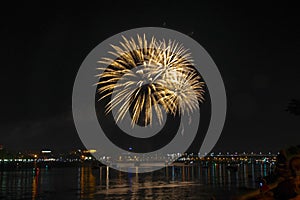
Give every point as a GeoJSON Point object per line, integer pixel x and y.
{"type": "Point", "coordinates": [148, 78]}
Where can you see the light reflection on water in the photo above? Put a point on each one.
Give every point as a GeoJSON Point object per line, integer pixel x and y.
{"type": "Point", "coordinates": [189, 182]}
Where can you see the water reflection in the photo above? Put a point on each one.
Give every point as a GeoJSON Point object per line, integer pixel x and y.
{"type": "Point", "coordinates": [176, 182]}
{"type": "Point", "coordinates": [87, 183]}
{"type": "Point", "coordinates": [35, 183]}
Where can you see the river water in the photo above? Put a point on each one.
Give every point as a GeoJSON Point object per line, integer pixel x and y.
{"type": "Point", "coordinates": [189, 182]}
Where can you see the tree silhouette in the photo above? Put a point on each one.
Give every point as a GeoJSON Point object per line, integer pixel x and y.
{"type": "Point", "coordinates": [294, 107]}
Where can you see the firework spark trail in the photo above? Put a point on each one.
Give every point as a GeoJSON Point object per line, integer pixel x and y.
{"type": "Point", "coordinates": [146, 75]}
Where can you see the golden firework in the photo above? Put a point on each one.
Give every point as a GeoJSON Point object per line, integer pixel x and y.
{"type": "Point", "coordinates": [149, 77]}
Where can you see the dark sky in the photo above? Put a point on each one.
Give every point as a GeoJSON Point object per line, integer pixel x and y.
{"type": "Point", "coordinates": [255, 46]}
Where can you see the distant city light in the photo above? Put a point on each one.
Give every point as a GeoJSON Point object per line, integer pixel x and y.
{"type": "Point", "coordinates": [46, 151]}
{"type": "Point", "coordinates": [126, 159]}
{"type": "Point", "coordinates": [90, 151]}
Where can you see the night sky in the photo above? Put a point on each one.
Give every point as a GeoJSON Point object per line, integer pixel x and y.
{"type": "Point", "coordinates": [255, 46]}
